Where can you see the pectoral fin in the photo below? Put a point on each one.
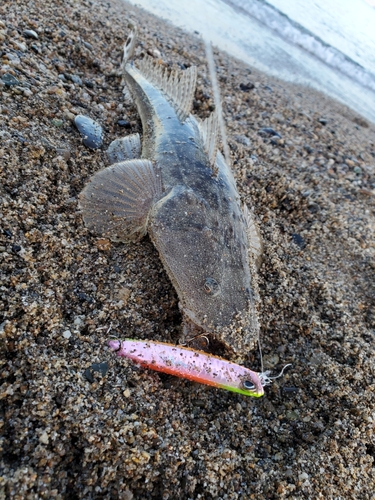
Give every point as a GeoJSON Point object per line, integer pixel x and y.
{"type": "Point", "coordinates": [125, 148]}
{"type": "Point", "coordinates": [117, 200]}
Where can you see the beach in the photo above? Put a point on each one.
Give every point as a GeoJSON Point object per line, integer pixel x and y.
{"type": "Point", "coordinates": [79, 423]}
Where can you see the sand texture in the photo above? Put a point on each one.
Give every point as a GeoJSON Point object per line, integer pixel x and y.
{"type": "Point", "coordinates": [79, 423]}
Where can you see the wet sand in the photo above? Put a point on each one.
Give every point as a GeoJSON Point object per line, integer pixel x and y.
{"type": "Point", "coordinates": [79, 423]}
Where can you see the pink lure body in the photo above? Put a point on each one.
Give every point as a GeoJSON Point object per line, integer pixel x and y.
{"type": "Point", "coordinates": [190, 364]}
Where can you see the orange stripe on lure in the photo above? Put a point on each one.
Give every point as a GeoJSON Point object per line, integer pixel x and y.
{"type": "Point", "coordinates": [190, 364]}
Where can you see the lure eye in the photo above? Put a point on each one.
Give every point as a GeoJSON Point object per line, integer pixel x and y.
{"type": "Point", "coordinates": [248, 385]}
{"type": "Point", "coordinates": [211, 287]}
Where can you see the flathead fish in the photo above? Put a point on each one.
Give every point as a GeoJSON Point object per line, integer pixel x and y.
{"type": "Point", "coordinates": [177, 187]}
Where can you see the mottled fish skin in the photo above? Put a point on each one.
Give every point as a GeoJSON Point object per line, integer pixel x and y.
{"type": "Point", "coordinates": [195, 220]}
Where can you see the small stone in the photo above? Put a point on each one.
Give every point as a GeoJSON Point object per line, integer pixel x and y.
{"type": "Point", "coordinates": [76, 79]}
{"type": "Point", "coordinates": [27, 92]}
{"type": "Point", "coordinates": [67, 334]}
{"type": "Point", "coordinates": [245, 87]}
{"type": "Point", "coordinates": [298, 240]}
{"type": "Point", "coordinates": [303, 476]}
{"type": "Point", "coordinates": [36, 48]}
{"type": "Point", "coordinates": [44, 438]}
{"type": "Point", "coordinates": [9, 80]}
{"type": "Point", "coordinates": [292, 415]}
{"type": "Point", "coordinates": [103, 244]}
{"type": "Point", "coordinates": [88, 45]}
{"type": "Point", "coordinates": [269, 131]}
{"type": "Point", "coordinates": [88, 84]}
{"type": "Point", "coordinates": [323, 121]}
{"type": "Point", "coordinates": [349, 162]}
{"type": "Point", "coordinates": [100, 368]}
{"type": "Point", "coordinates": [126, 393]}
{"type": "Point", "coordinates": [91, 131]}
{"type": "Point", "coordinates": [69, 115]}
{"type": "Point", "coordinates": [57, 123]}
{"type": "Point", "coordinates": [124, 294]}
{"type": "Point", "coordinates": [123, 123]}
{"type": "Point", "coordinates": [31, 34]}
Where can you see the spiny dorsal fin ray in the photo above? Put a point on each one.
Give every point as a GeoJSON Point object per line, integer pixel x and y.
{"type": "Point", "coordinates": [129, 47]}
{"type": "Point", "coordinates": [253, 236]}
{"type": "Point", "coordinates": [178, 86]}
{"type": "Point", "coordinates": [117, 200]}
{"type": "Point", "coordinates": [209, 129]}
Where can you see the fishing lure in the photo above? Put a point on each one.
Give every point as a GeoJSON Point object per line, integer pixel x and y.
{"type": "Point", "coordinates": [192, 365]}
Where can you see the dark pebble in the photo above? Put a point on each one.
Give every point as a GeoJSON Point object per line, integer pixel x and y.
{"type": "Point", "coordinates": [36, 48]}
{"type": "Point", "coordinates": [100, 368]}
{"type": "Point", "coordinates": [84, 298]}
{"type": "Point", "coordinates": [10, 80]}
{"type": "Point", "coordinates": [31, 34]}
{"type": "Point", "coordinates": [91, 131]}
{"type": "Point", "coordinates": [307, 148]}
{"type": "Point", "coordinates": [89, 84]}
{"type": "Point", "coordinates": [245, 87]}
{"type": "Point", "coordinates": [88, 374]}
{"type": "Point", "coordinates": [323, 121]}
{"type": "Point", "coordinates": [16, 248]}
{"type": "Point", "coordinates": [269, 131]}
{"type": "Point", "coordinates": [290, 390]}
{"type": "Point", "coordinates": [123, 123]}
{"type": "Point", "coordinates": [95, 367]}
{"type": "Point", "coordinates": [8, 233]}
{"type": "Point", "coordinates": [298, 240]}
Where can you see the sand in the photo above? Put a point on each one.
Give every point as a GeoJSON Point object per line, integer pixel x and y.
{"type": "Point", "coordinates": [78, 423]}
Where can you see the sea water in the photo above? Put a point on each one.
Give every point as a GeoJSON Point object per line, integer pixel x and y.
{"type": "Point", "coordinates": [325, 44]}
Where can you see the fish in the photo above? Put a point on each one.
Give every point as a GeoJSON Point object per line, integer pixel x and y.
{"type": "Point", "coordinates": [176, 187]}
{"type": "Point", "coordinates": [191, 365]}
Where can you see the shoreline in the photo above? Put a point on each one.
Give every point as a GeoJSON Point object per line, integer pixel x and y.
{"type": "Point", "coordinates": [79, 423]}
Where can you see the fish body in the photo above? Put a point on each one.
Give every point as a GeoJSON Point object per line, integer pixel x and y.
{"type": "Point", "coordinates": [178, 188]}
{"type": "Point", "coordinates": [192, 365]}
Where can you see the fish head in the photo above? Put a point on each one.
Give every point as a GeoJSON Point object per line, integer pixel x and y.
{"type": "Point", "coordinates": [203, 245]}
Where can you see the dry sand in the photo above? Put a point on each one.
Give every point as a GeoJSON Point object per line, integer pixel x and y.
{"type": "Point", "coordinates": [117, 431]}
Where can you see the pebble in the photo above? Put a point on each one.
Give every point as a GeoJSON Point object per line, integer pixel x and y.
{"type": "Point", "coordinates": [44, 439]}
{"type": "Point", "coordinates": [9, 80]}
{"type": "Point", "coordinates": [269, 131]}
{"type": "Point", "coordinates": [298, 240]}
{"type": "Point", "coordinates": [245, 87]}
{"type": "Point", "coordinates": [67, 334]}
{"type": "Point", "coordinates": [91, 131]}
{"type": "Point", "coordinates": [31, 34]}
{"type": "Point", "coordinates": [123, 123]}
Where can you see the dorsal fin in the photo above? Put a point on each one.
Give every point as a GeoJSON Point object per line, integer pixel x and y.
{"type": "Point", "coordinates": [209, 129]}
{"type": "Point", "coordinates": [129, 47]}
{"type": "Point", "coordinates": [179, 86]}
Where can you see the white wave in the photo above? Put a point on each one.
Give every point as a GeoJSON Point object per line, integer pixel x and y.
{"type": "Point", "coordinates": [296, 34]}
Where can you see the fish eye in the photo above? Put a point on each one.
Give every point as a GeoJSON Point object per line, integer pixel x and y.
{"type": "Point", "coordinates": [248, 385]}
{"type": "Point", "coordinates": [211, 287]}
